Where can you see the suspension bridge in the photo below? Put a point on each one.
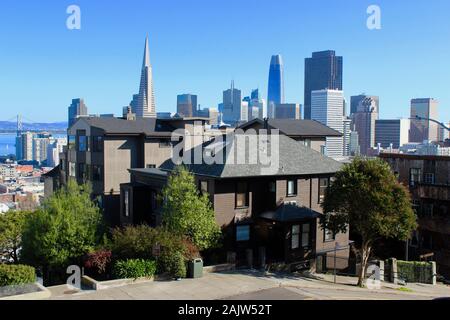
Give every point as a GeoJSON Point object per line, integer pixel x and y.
{"type": "Point", "coordinates": [19, 124]}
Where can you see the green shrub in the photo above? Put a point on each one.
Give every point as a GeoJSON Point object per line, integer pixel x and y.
{"type": "Point", "coordinates": [136, 242]}
{"type": "Point", "coordinates": [134, 268]}
{"type": "Point", "coordinates": [173, 263]}
{"type": "Point", "coordinates": [415, 271]}
{"type": "Point", "coordinates": [15, 274]}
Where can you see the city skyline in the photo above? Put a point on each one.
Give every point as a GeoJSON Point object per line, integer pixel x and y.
{"type": "Point", "coordinates": [58, 73]}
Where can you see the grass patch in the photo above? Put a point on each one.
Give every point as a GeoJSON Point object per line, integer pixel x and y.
{"type": "Point", "coordinates": [404, 289]}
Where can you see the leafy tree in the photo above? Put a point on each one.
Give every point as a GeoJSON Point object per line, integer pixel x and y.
{"type": "Point", "coordinates": [367, 196]}
{"type": "Point", "coordinates": [66, 227]}
{"type": "Point", "coordinates": [11, 228]}
{"type": "Point", "coordinates": [187, 212]}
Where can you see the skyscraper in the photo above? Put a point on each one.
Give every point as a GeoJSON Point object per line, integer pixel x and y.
{"type": "Point", "coordinates": [187, 105]}
{"type": "Point", "coordinates": [355, 101]}
{"type": "Point", "coordinates": [393, 132]}
{"type": "Point", "coordinates": [287, 111]}
{"type": "Point", "coordinates": [422, 130]}
{"type": "Point", "coordinates": [76, 109]}
{"type": "Point", "coordinates": [275, 94]}
{"type": "Point", "coordinates": [326, 107]}
{"type": "Point", "coordinates": [257, 106]}
{"type": "Point", "coordinates": [234, 109]}
{"type": "Point", "coordinates": [322, 71]}
{"type": "Point", "coordinates": [347, 125]}
{"type": "Point", "coordinates": [145, 106]}
{"type": "Point", "coordinates": [364, 118]}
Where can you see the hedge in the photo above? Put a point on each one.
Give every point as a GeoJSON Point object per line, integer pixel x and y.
{"type": "Point", "coordinates": [134, 268]}
{"type": "Point", "coordinates": [413, 271]}
{"type": "Point", "coordinates": [15, 274]}
{"type": "Point", "coordinates": [172, 263]}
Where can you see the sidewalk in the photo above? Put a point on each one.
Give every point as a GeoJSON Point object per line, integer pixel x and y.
{"type": "Point", "coordinates": [254, 285]}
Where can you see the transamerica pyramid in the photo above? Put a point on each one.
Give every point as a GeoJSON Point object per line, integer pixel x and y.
{"type": "Point", "coordinates": [145, 106]}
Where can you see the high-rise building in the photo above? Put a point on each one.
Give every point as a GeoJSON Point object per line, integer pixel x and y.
{"type": "Point", "coordinates": [256, 106]}
{"type": "Point", "coordinates": [27, 146]}
{"type": "Point", "coordinates": [326, 107]}
{"type": "Point", "coordinates": [364, 118]}
{"type": "Point", "coordinates": [356, 100]}
{"type": "Point", "coordinates": [424, 130]}
{"type": "Point", "coordinates": [347, 122]}
{"type": "Point", "coordinates": [55, 147]}
{"type": "Point", "coordinates": [322, 71]}
{"type": "Point", "coordinates": [40, 147]}
{"type": "Point", "coordinates": [354, 144]}
{"type": "Point", "coordinates": [77, 109]}
{"type": "Point", "coordinates": [392, 132]}
{"type": "Point", "coordinates": [275, 94]}
{"type": "Point", "coordinates": [145, 106]}
{"type": "Point", "coordinates": [234, 108]}
{"type": "Point", "coordinates": [287, 111]}
{"type": "Point", "coordinates": [187, 105]}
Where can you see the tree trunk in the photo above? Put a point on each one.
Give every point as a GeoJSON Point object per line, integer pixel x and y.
{"type": "Point", "coordinates": [365, 255]}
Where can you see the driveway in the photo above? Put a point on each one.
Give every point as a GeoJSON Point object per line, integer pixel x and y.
{"type": "Point", "coordinates": [254, 285]}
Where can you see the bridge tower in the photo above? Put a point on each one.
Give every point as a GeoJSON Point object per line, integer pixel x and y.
{"type": "Point", "coordinates": [19, 125]}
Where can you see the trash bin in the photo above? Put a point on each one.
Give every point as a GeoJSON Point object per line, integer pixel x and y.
{"type": "Point", "coordinates": [195, 268]}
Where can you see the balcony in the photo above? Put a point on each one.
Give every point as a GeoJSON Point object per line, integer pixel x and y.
{"type": "Point", "coordinates": [432, 191]}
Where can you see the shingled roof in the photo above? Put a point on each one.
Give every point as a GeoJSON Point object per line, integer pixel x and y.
{"type": "Point", "coordinates": [294, 159]}
{"type": "Point", "coordinates": [144, 126]}
{"type": "Point", "coordinates": [296, 128]}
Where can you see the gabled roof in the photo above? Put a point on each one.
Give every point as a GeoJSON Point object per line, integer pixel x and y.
{"type": "Point", "coordinates": [294, 159]}
{"type": "Point", "coordinates": [144, 126]}
{"type": "Point", "coordinates": [296, 128]}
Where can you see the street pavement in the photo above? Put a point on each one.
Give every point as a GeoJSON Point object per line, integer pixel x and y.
{"type": "Point", "coordinates": [254, 285]}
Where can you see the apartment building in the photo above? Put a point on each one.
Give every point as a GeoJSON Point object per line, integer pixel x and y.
{"type": "Point", "coordinates": [428, 178]}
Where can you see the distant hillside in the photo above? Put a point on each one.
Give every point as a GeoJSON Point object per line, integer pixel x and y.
{"type": "Point", "coordinates": [52, 126]}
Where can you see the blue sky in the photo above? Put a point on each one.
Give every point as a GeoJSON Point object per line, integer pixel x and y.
{"type": "Point", "coordinates": [198, 46]}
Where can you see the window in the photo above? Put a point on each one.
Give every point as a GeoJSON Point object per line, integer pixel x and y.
{"type": "Point", "coordinates": [291, 188]}
{"type": "Point", "coordinates": [204, 186]}
{"type": "Point", "coordinates": [71, 142]}
{"type": "Point", "coordinates": [82, 144]}
{"type": "Point", "coordinates": [328, 235]}
{"type": "Point", "coordinates": [151, 166]}
{"type": "Point", "coordinates": [305, 235]}
{"type": "Point", "coordinates": [307, 143]}
{"type": "Point", "coordinates": [323, 150]}
{"type": "Point", "coordinates": [126, 203]}
{"type": "Point", "coordinates": [62, 165]}
{"type": "Point", "coordinates": [97, 143]}
{"type": "Point", "coordinates": [416, 206]}
{"type": "Point", "coordinates": [429, 178]}
{"type": "Point", "coordinates": [243, 233]}
{"type": "Point", "coordinates": [414, 176]}
{"type": "Point", "coordinates": [242, 195]}
{"type": "Point", "coordinates": [81, 171]}
{"type": "Point", "coordinates": [323, 186]}
{"type": "Point", "coordinates": [295, 236]}
{"type": "Point", "coordinates": [96, 173]}
{"type": "Point", "coordinates": [300, 233]}
{"type": "Point", "coordinates": [72, 169]}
